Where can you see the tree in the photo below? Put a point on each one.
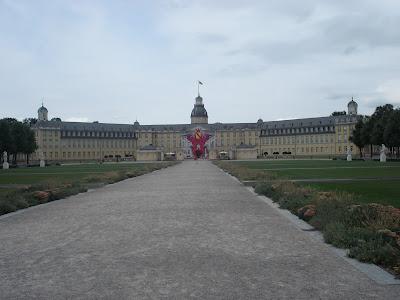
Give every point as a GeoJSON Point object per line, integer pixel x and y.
{"type": "Point", "coordinates": [16, 137]}
{"type": "Point", "coordinates": [391, 133]}
{"type": "Point", "coordinates": [30, 121]}
{"type": "Point", "coordinates": [5, 137]}
{"type": "Point", "coordinates": [8, 139]}
{"type": "Point", "coordinates": [29, 145]}
{"type": "Point", "coordinates": [18, 134]}
{"type": "Point", "coordinates": [379, 120]}
{"type": "Point", "coordinates": [366, 133]}
{"type": "Point", "coordinates": [357, 138]}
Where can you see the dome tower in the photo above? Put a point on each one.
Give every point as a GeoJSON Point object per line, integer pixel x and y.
{"type": "Point", "coordinates": [199, 114]}
{"type": "Point", "coordinates": [43, 113]}
{"type": "Point", "coordinates": [352, 107]}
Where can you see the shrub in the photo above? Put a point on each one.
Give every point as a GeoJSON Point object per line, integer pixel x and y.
{"type": "Point", "coordinates": [287, 194]}
{"type": "Point", "coordinates": [20, 202]}
{"type": "Point", "coordinates": [6, 206]}
{"type": "Point", "coordinates": [340, 235]}
{"type": "Point", "coordinates": [332, 209]}
{"type": "Point", "coordinates": [292, 203]}
{"type": "Point", "coordinates": [375, 216]}
{"type": "Point", "coordinates": [376, 250]}
{"type": "Point", "coordinates": [265, 189]}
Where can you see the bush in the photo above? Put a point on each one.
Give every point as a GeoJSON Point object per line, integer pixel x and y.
{"type": "Point", "coordinates": [6, 206]}
{"type": "Point", "coordinates": [342, 236]}
{"type": "Point", "coordinates": [377, 250]}
{"type": "Point", "coordinates": [293, 203]}
{"type": "Point", "coordinates": [331, 209]}
{"type": "Point", "coordinates": [287, 194]}
{"type": "Point", "coordinates": [265, 189]}
{"type": "Point", "coordinates": [375, 216]}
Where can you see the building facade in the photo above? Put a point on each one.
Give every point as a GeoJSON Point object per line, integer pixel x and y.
{"type": "Point", "coordinates": [309, 137]}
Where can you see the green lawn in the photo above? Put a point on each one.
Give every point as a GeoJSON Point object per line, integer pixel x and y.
{"type": "Point", "coordinates": [315, 169]}
{"type": "Point", "coordinates": [380, 191]}
{"type": "Point", "coordinates": [65, 173]}
{"type": "Point", "coordinates": [24, 187]}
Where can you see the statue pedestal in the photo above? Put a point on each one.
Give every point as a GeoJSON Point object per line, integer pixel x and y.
{"type": "Point", "coordinates": [349, 158]}
{"type": "Point", "coordinates": [6, 165]}
{"type": "Point", "coordinates": [382, 158]}
{"type": "Point", "coordinates": [42, 164]}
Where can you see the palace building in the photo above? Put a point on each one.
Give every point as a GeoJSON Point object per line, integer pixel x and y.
{"type": "Point", "coordinates": [60, 141]}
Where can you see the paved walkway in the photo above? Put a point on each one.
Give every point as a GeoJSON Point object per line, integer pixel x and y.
{"type": "Point", "coordinates": [189, 231]}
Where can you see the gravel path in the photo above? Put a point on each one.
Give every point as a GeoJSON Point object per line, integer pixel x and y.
{"type": "Point", "coordinates": [188, 231]}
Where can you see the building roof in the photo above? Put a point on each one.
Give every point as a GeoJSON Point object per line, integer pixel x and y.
{"type": "Point", "coordinates": [42, 109]}
{"type": "Point", "coordinates": [199, 111]}
{"type": "Point", "coordinates": [85, 126]}
{"type": "Point", "coordinates": [186, 128]}
{"type": "Point", "coordinates": [352, 102]}
{"type": "Point", "coordinates": [295, 123]}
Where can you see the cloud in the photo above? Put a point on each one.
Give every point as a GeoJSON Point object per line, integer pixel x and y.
{"type": "Point", "coordinates": [115, 62]}
{"type": "Point", "coordinates": [77, 119]}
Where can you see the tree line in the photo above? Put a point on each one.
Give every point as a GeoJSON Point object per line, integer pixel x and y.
{"type": "Point", "coordinates": [382, 127]}
{"type": "Point", "coordinates": [17, 137]}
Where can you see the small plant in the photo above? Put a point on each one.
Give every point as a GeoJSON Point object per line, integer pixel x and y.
{"type": "Point", "coordinates": [265, 189]}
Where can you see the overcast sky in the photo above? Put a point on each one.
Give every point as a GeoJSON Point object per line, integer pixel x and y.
{"type": "Point", "coordinates": [115, 61]}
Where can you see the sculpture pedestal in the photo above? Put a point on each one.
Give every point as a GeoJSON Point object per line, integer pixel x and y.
{"type": "Point", "coordinates": [6, 165]}
{"type": "Point", "coordinates": [42, 164]}
{"type": "Point", "coordinates": [382, 158]}
{"type": "Point", "coordinates": [349, 158]}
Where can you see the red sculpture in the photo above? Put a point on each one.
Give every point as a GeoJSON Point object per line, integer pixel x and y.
{"type": "Point", "coordinates": [198, 141]}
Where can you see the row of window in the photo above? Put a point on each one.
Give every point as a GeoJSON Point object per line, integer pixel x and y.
{"type": "Point", "coordinates": [300, 150]}
{"type": "Point", "coordinates": [298, 130]}
{"type": "Point", "coordinates": [84, 154]}
{"type": "Point", "coordinates": [107, 134]}
{"type": "Point", "coordinates": [236, 133]}
{"type": "Point", "coordinates": [317, 139]}
{"type": "Point", "coordinates": [97, 144]}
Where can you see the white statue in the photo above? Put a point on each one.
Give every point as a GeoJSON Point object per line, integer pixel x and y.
{"type": "Point", "coordinates": [42, 163]}
{"type": "Point", "coordinates": [349, 158]}
{"type": "Point", "coordinates": [5, 161]}
{"type": "Point", "coordinates": [382, 156]}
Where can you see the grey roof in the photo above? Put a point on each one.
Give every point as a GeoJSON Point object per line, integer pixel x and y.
{"type": "Point", "coordinates": [191, 127]}
{"type": "Point", "coordinates": [186, 128]}
{"type": "Point", "coordinates": [199, 111]}
{"type": "Point", "coordinates": [85, 126]}
{"type": "Point", "coordinates": [352, 102]}
{"type": "Point", "coordinates": [42, 108]}
{"type": "Point", "coordinates": [306, 122]}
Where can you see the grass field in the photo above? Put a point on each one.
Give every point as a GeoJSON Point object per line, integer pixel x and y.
{"type": "Point", "coordinates": [384, 188]}
{"type": "Point", "coordinates": [316, 169]}
{"type": "Point", "coordinates": [379, 191]}
{"type": "Point", "coordinates": [24, 187]}
{"type": "Point", "coordinates": [65, 173]}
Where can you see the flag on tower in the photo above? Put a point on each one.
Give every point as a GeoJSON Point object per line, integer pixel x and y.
{"type": "Point", "coordinates": [200, 82]}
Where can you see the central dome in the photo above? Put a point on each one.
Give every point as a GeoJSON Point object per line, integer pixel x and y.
{"type": "Point", "coordinates": [199, 113]}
